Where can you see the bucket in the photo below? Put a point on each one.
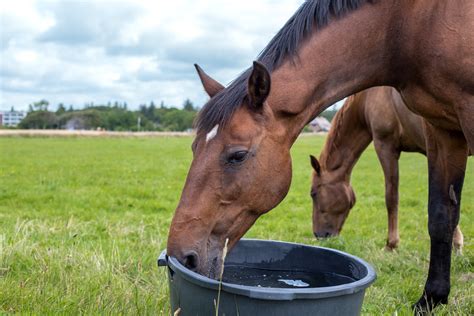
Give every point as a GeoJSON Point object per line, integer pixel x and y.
{"type": "Point", "coordinates": [264, 277]}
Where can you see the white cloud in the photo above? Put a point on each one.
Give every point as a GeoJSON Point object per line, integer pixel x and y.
{"type": "Point", "coordinates": [134, 51]}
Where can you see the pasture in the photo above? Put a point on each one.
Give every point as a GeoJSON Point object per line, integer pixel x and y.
{"type": "Point", "coordinates": [82, 221]}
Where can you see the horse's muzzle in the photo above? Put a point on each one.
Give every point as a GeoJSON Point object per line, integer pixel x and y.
{"type": "Point", "coordinates": [324, 234]}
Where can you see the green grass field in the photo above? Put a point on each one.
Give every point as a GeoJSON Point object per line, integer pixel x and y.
{"type": "Point", "coordinates": [82, 221]}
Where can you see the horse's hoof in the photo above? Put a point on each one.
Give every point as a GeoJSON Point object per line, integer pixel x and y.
{"type": "Point", "coordinates": [425, 305]}
{"type": "Point", "coordinates": [389, 248]}
{"type": "Point", "coordinates": [421, 307]}
{"type": "Point", "coordinates": [457, 248]}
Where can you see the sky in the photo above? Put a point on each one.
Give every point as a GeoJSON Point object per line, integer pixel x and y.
{"type": "Point", "coordinates": [135, 51]}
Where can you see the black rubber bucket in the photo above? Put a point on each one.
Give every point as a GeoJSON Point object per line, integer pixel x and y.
{"type": "Point", "coordinates": [264, 277]}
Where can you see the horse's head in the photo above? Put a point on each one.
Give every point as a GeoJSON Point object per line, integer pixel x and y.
{"type": "Point", "coordinates": [240, 170]}
{"type": "Point", "coordinates": [333, 198]}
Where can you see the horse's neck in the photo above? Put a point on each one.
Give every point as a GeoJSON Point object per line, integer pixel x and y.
{"type": "Point", "coordinates": [348, 138]}
{"type": "Point", "coordinates": [348, 55]}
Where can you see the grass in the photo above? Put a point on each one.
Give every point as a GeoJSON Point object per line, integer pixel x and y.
{"type": "Point", "coordinates": [83, 220]}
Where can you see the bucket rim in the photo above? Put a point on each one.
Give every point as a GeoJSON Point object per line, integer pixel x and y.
{"type": "Point", "coordinates": [271, 293]}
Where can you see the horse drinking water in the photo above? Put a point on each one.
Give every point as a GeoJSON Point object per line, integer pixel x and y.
{"type": "Point", "coordinates": [378, 115]}
{"type": "Point", "coordinates": [328, 50]}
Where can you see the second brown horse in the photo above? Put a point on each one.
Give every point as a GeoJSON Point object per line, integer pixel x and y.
{"type": "Point", "coordinates": [378, 115]}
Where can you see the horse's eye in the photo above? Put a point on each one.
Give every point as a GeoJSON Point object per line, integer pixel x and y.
{"type": "Point", "coordinates": [313, 194]}
{"type": "Point", "coordinates": [237, 157]}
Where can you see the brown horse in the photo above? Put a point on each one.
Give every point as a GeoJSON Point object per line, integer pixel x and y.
{"type": "Point", "coordinates": [378, 115]}
{"type": "Point", "coordinates": [330, 49]}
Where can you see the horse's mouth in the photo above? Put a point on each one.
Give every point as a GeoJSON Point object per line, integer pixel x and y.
{"type": "Point", "coordinates": [213, 270]}
{"type": "Point", "coordinates": [325, 235]}
{"type": "Point", "coordinates": [212, 267]}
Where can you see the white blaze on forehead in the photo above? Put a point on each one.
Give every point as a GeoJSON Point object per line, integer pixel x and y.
{"type": "Point", "coordinates": [212, 133]}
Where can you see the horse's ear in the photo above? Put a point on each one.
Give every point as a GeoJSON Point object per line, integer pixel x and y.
{"type": "Point", "coordinates": [211, 86]}
{"type": "Point", "coordinates": [315, 164]}
{"type": "Point", "coordinates": [258, 85]}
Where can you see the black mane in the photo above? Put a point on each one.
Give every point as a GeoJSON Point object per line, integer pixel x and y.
{"type": "Point", "coordinates": [312, 14]}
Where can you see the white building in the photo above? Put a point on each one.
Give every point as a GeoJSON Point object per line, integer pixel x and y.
{"type": "Point", "coordinates": [320, 124]}
{"type": "Point", "coordinates": [11, 118]}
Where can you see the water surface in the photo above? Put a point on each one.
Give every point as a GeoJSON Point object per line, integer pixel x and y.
{"type": "Point", "coordinates": [252, 276]}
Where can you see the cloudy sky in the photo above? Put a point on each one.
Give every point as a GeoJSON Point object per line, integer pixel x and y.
{"type": "Point", "coordinates": [77, 52]}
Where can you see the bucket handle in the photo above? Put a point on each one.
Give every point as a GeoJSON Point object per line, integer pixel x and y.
{"type": "Point", "coordinates": [163, 259]}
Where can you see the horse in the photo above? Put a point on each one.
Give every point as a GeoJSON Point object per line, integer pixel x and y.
{"type": "Point", "coordinates": [378, 115]}
{"type": "Point", "coordinates": [330, 49]}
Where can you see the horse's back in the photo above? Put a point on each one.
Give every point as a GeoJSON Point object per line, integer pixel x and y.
{"type": "Point", "coordinates": [390, 120]}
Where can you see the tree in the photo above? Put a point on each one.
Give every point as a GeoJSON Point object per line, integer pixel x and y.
{"type": "Point", "coordinates": [61, 109]}
{"type": "Point", "coordinates": [41, 105]}
{"type": "Point", "coordinates": [328, 114]}
{"type": "Point", "coordinates": [178, 120]}
{"type": "Point", "coordinates": [188, 105]}
{"type": "Point", "coordinates": [143, 109]}
{"type": "Point", "coordinates": [40, 120]}
{"type": "Point", "coordinates": [148, 112]}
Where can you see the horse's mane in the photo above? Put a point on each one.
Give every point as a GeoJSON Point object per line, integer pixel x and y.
{"type": "Point", "coordinates": [331, 145]}
{"type": "Point", "coordinates": [313, 14]}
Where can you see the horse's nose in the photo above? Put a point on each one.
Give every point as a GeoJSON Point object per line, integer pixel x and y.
{"type": "Point", "coordinates": [322, 234]}
{"type": "Point", "coordinates": [190, 260]}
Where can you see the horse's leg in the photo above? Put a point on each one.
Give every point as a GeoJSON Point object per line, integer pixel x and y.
{"type": "Point", "coordinates": [458, 240]}
{"type": "Point", "coordinates": [447, 156]}
{"type": "Point", "coordinates": [466, 115]}
{"type": "Point", "coordinates": [388, 156]}
{"type": "Point", "coordinates": [465, 118]}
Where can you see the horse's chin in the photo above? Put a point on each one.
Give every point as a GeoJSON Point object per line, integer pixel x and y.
{"type": "Point", "coordinates": [211, 268]}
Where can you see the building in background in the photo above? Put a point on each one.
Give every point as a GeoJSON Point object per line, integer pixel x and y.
{"type": "Point", "coordinates": [320, 124]}
{"type": "Point", "coordinates": [11, 118]}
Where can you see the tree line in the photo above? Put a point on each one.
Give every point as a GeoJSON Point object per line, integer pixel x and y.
{"type": "Point", "coordinates": [111, 116]}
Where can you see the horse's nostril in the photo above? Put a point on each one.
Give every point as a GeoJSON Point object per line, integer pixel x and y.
{"type": "Point", "coordinates": [190, 260]}
{"type": "Point", "coordinates": [322, 235]}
